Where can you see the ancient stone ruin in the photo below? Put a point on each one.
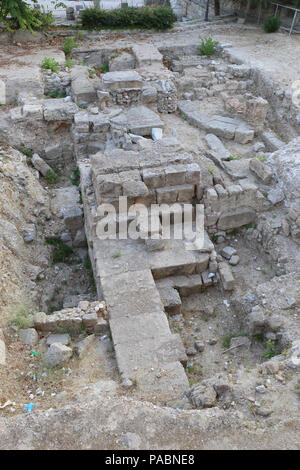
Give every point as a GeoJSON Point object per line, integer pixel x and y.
{"type": "Point", "coordinates": [199, 339]}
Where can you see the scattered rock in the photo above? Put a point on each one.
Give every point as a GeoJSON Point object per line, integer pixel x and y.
{"type": "Point", "coordinates": [203, 396]}
{"type": "Point", "coordinates": [234, 260]}
{"type": "Point", "coordinates": [81, 348]}
{"type": "Point", "coordinates": [59, 338]}
{"type": "Point", "coordinates": [265, 412]}
{"type": "Point", "coordinates": [228, 252]}
{"type": "Point", "coordinates": [127, 383]}
{"type": "Point", "coordinates": [57, 354]}
{"type": "Point", "coordinates": [29, 336]}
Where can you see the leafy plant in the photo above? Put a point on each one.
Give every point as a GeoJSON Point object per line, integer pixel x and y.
{"type": "Point", "coordinates": [50, 64]}
{"type": "Point", "coordinates": [207, 46]}
{"type": "Point", "coordinates": [69, 63]}
{"type": "Point", "coordinates": [46, 18]}
{"type": "Point", "coordinates": [92, 73]}
{"type": "Point", "coordinates": [235, 157]}
{"type": "Point", "coordinates": [272, 24]}
{"type": "Point", "coordinates": [117, 254]}
{"type": "Point", "coordinates": [105, 68]}
{"type": "Point", "coordinates": [16, 14]}
{"type": "Point", "coordinates": [147, 17]}
{"type": "Point", "coordinates": [61, 251]}
{"type": "Point", "coordinates": [270, 350]}
{"type": "Point", "coordinates": [227, 338]}
{"type": "Point", "coordinates": [75, 178]}
{"type": "Point", "coordinates": [25, 151]}
{"type": "Point", "coordinates": [52, 177]}
{"type": "Point", "coordinates": [69, 45]}
{"type": "Point", "coordinates": [56, 93]}
{"type": "Point", "coordinates": [22, 316]}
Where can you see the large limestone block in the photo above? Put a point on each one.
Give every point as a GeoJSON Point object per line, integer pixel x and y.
{"type": "Point", "coordinates": [59, 110]}
{"type": "Point", "coordinates": [236, 218]}
{"type": "Point", "coordinates": [122, 79]}
{"type": "Point", "coordinates": [139, 120]}
{"type": "Point", "coordinates": [57, 354]}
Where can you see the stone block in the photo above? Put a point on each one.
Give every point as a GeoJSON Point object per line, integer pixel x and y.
{"type": "Point", "coordinates": [236, 218]}
{"type": "Point", "coordinates": [81, 122]}
{"type": "Point", "coordinates": [82, 347]}
{"type": "Point", "coordinates": [261, 170]}
{"type": "Point", "coordinates": [40, 165]}
{"type": "Point", "coordinates": [192, 175]}
{"type": "Point", "coordinates": [63, 338]}
{"type": "Point", "coordinates": [29, 336]}
{"type": "Point", "coordinates": [154, 177]}
{"type": "Point", "coordinates": [243, 135]}
{"type": "Point", "coordinates": [167, 194]}
{"type": "Point", "coordinates": [227, 278]}
{"type": "Point", "coordinates": [122, 79]}
{"type": "Point", "coordinates": [175, 175]}
{"type": "Point", "coordinates": [57, 354]}
{"type": "Point", "coordinates": [170, 299]}
{"type": "Point", "coordinates": [59, 110]}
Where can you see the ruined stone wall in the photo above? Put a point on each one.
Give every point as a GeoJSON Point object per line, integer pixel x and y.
{"type": "Point", "coordinates": [22, 202]}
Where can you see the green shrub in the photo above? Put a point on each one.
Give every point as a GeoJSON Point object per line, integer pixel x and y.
{"type": "Point", "coordinates": [148, 17]}
{"type": "Point", "coordinates": [61, 251]}
{"type": "Point", "coordinates": [75, 178]}
{"type": "Point", "coordinates": [45, 19]}
{"type": "Point", "coordinates": [270, 350]}
{"type": "Point", "coordinates": [69, 45]}
{"type": "Point", "coordinates": [25, 151]}
{"type": "Point", "coordinates": [207, 46]}
{"type": "Point", "coordinates": [272, 24]}
{"type": "Point", "coordinates": [52, 177]}
{"type": "Point", "coordinates": [22, 316]}
{"type": "Point", "coordinates": [56, 93]}
{"type": "Point", "coordinates": [69, 63]}
{"type": "Point", "coordinates": [50, 64]}
{"type": "Point", "coordinates": [105, 68]}
{"type": "Point", "coordinates": [16, 14]}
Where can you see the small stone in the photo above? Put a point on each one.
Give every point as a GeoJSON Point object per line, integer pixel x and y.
{"type": "Point", "coordinates": [260, 389]}
{"type": "Point", "coordinates": [83, 305]}
{"type": "Point", "coordinates": [156, 133]}
{"type": "Point", "coordinates": [228, 251]}
{"type": "Point", "coordinates": [234, 260]}
{"type": "Point", "coordinates": [263, 412]}
{"type": "Point", "coordinates": [212, 341]}
{"type": "Point", "coordinates": [127, 383]}
{"type": "Point", "coordinates": [199, 345]}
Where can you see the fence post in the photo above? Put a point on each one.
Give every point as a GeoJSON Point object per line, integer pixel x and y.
{"type": "Point", "coordinates": [293, 22]}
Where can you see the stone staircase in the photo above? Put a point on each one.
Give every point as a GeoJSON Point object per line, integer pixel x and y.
{"type": "Point", "coordinates": [130, 275]}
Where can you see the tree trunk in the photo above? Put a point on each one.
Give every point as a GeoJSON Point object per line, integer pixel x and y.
{"type": "Point", "coordinates": [206, 11]}
{"type": "Point", "coordinates": [217, 7]}
{"type": "Point", "coordinates": [247, 9]}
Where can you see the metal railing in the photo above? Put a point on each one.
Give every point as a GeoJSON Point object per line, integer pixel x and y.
{"type": "Point", "coordinates": [296, 11]}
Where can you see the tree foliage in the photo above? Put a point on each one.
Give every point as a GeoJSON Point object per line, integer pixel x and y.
{"type": "Point", "coordinates": [16, 14]}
